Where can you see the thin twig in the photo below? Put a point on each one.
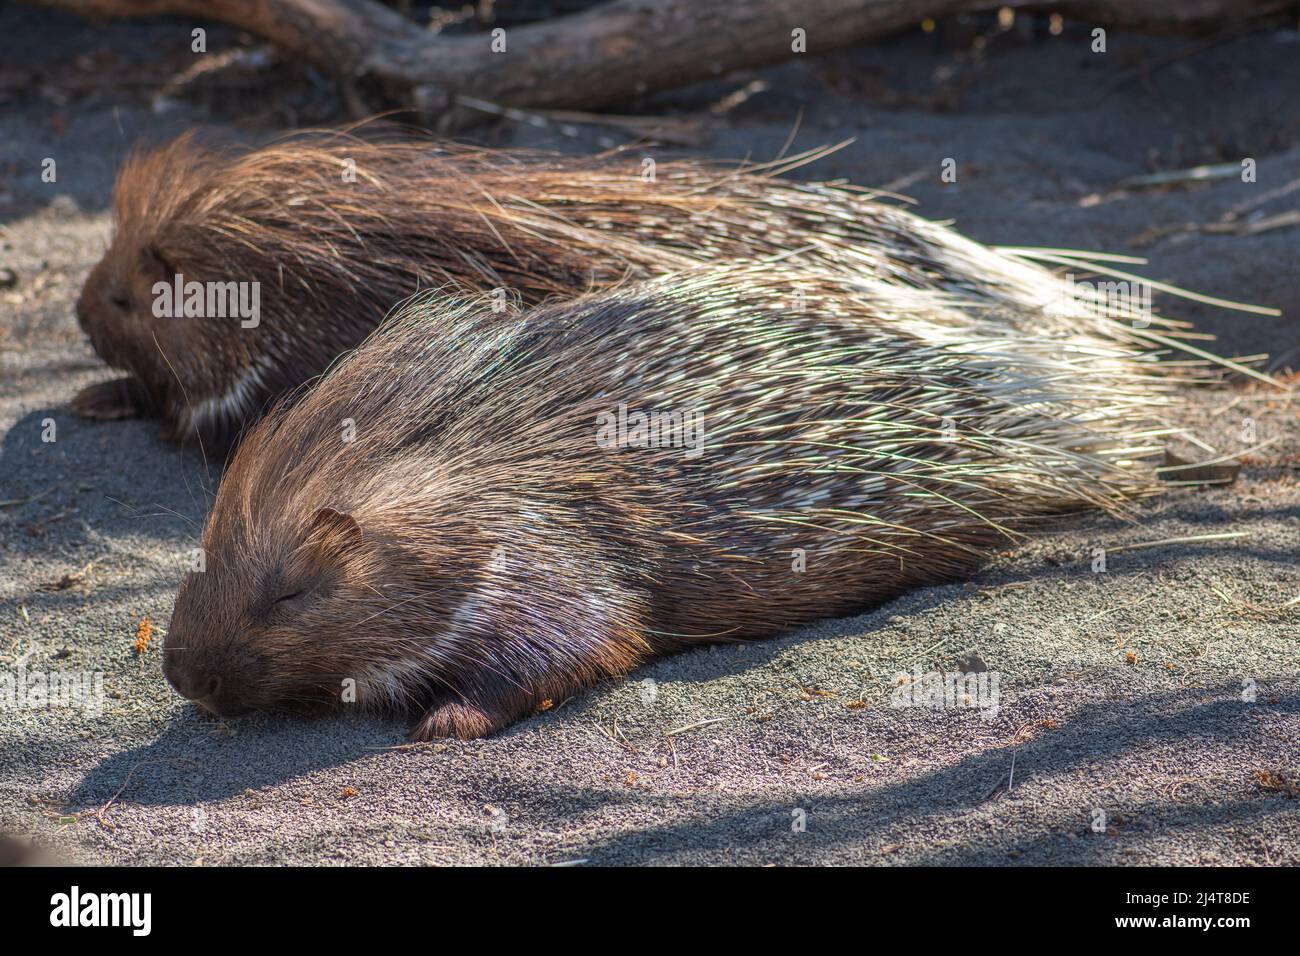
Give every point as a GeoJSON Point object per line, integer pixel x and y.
{"type": "Point", "coordinates": [1227, 535]}
{"type": "Point", "coordinates": [702, 723]}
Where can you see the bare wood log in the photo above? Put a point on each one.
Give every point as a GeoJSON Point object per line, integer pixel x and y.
{"type": "Point", "coordinates": [609, 53]}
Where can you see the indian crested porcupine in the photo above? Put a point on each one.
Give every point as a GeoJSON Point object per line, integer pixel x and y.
{"type": "Point", "coordinates": [475, 513]}
{"type": "Point", "coordinates": [320, 234]}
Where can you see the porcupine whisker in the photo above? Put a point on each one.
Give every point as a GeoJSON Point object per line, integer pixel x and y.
{"type": "Point", "coordinates": [202, 453]}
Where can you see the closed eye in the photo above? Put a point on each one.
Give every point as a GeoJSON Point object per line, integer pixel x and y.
{"type": "Point", "coordinates": [121, 302]}
{"type": "Point", "coordinates": [287, 597]}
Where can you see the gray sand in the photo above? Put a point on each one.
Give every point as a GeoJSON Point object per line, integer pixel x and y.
{"type": "Point", "coordinates": [1151, 713]}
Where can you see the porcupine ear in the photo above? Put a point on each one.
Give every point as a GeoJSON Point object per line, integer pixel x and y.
{"type": "Point", "coordinates": [155, 264]}
{"type": "Point", "coordinates": [333, 531]}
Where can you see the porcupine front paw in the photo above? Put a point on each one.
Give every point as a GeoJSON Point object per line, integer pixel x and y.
{"type": "Point", "coordinates": [110, 401]}
{"type": "Point", "coordinates": [458, 719]}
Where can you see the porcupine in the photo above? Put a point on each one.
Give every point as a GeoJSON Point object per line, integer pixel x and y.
{"type": "Point", "coordinates": [330, 256]}
{"type": "Point", "coordinates": [488, 539]}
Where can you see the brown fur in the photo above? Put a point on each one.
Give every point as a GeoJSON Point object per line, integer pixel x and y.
{"type": "Point", "coordinates": [474, 551]}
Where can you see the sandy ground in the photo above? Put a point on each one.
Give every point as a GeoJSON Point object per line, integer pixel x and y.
{"type": "Point", "coordinates": [1147, 714]}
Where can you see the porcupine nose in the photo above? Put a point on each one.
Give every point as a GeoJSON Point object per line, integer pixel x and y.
{"type": "Point", "coordinates": [82, 310]}
{"type": "Point", "coordinates": [204, 682]}
{"type": "Point", "coordinates": [85, 311]}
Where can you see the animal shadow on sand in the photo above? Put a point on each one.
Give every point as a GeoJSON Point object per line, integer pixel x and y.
{"type": "Point", "coordinates": [750, 830]}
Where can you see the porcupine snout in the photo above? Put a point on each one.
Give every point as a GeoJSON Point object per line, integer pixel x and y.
{"type": "Point", "coordinates": [222, 683]}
